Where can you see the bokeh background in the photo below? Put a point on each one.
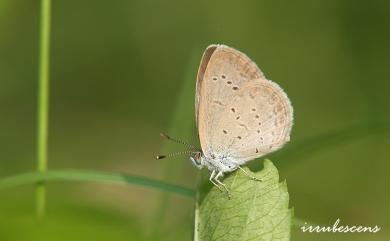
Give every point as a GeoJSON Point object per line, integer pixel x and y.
{"type": "Point", "coordinates": [122, 71]}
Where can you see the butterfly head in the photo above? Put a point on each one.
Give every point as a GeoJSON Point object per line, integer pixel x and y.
{"type": "Point", "coordinates": [197, 159]}
{"type": "Point", "coordinates": [196, 155]}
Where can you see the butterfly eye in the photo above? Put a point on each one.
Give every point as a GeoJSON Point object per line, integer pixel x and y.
{"type": "Point", "coordinates": [197, 156]}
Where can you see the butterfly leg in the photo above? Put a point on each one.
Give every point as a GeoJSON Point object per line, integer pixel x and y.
{"type": "Point", "coordinates": [222, 184]}
{"type": "Point", "coordinates": [249, 175]}
{"type": "Point", "coordinates": [212, 176]}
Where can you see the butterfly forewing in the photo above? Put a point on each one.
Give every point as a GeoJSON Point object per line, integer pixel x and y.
{"type": "Point", "coordinates": [223, 71]}
{"type": "Point", "coordinates": [199, 79]}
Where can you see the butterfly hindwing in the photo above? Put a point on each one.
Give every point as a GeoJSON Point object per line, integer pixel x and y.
{"type": "Point", "coordinates": [260, 123]}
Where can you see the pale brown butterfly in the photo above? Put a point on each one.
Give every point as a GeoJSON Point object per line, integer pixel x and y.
{"type": "Point", "coordinates": [240, 114]}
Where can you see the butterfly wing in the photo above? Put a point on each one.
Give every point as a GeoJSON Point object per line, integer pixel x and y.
{"type": "Point", "coordinates": [260, 123]}
{"type": "Point", "coordinates": [223, 70]}
{"type": "Point", "coordinates": [199, 79]}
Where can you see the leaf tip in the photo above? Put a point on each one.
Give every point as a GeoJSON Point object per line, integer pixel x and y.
{"type": "Point", "coordinates": [268, 163]}
{"type": "Point", "coordinates": [283, 185]}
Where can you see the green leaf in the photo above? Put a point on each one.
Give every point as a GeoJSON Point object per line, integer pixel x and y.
{"type": "Point", "coordinates": [256, 211]}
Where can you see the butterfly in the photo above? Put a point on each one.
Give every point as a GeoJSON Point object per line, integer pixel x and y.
{"type": "Point", "coordinates": [240, 115]}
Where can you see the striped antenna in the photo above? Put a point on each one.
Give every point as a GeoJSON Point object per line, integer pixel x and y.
{"type": "Point", "coordinates": [165, 136]}
{"type": "Point", "coordinates": [174, 154]}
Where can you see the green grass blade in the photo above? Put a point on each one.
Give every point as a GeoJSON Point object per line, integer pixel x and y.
{"type": "Point", "coordinates": [99, 176]}
{"type": "Point", "coordinates": [95, 176]}
{"type": "Point", "coordinates": [295, 151]}
{"type": "Point", "coordinates": [182, 126]}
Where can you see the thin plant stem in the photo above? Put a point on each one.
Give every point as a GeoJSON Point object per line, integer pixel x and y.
{"type": "Point", "coordinates": [43, 104]}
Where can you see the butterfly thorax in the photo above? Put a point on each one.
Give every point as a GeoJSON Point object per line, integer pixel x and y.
{"type": "Point", "coordinates": [214, 162]}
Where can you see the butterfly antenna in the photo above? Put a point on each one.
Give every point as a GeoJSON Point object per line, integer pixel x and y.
{"type": "Point", "coordinates": [165, 136]}
{"type": "Point", "coordinates": [174, 154]}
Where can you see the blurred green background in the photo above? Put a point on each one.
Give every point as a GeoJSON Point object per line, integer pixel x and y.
{"type": "Point", "coordinates": [122, 71]}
